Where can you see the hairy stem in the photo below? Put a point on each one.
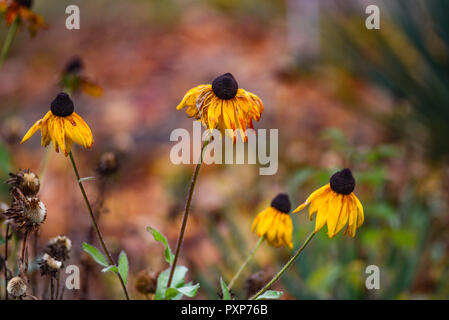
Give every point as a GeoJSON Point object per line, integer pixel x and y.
{"type": "Point", "coordinates": [284, 268]}
{"type": "Point", "coordinates": [95, 225]}
{"type": "Point", "coordinates": [186, 213]}
{"type": "Point", "coordinates": [242, 267]}
{"type": "Point", "coordinates": [8, 41]}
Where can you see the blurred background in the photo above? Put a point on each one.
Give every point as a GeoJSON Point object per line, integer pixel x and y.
{"type": "Point", "coordinates": [376, 101]}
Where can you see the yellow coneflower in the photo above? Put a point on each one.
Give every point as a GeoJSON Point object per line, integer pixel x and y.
{"type": "Point", "coordinates": [62, 126]}
{"type": "Point", "coordinates": [336, 204]}
{"type": "Point", "coordinates": [73, 80]}
{"type": "Point", "coordinates": [22, 9]}
{"type": "Point", "coordinates": [274, 223]}
{"type": "Point", "coordinates": [223, 105]}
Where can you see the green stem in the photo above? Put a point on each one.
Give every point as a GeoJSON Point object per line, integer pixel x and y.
{"type": "Point", "coordinates": [94, 223]}
{"type": "Point", "coordinates": [8, 41]}
{"type": "Point", "coordinates": [186, 214]}
{"type": "Point", "coordinates": [242, 267]}
{"type": "Point", "coordinates": [286, 266]}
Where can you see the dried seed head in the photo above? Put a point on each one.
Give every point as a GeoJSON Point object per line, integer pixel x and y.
{"type": "Point", "coordinates": [225, 86]}
{"type": "Point", "coordinates": [17, 287]}
{"type": "Point", "coordinates": [343, 182]}
{"type": "Point", "coordinates": [108, 164]}
{"type": "Point", "coordinates": [281, 203]}
{"type": "Point", "coordinates": [49, 265]}
{"type": "Point", "coordinates": [35, 211]}
{"type": "Point", "coordinates": [59, 247]}
{"type": "Point", "coordinates": [146, 281]}
{"type": "Point", "coordinates": [26, 213]}
{"type": "Point", "coordinates": [26, 181]}
{"type": "Point", "coordinates": [62, 105]}
{"type": "Point", "coordinates": [74, 66]}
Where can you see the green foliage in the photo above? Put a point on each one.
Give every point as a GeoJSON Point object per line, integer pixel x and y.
{"type": "Point", "coordinates": [270, 294]}
{"type": "Point", "coordinates": [95, 254]}
{"type": "Point", "coordinates": [169, 256]}
{"type": "Point", "coordinates": [123, 266]}
{"type": "Point", "coordinates": [178, 287]}
{"type": "Point", "coordinates": [224, 290]}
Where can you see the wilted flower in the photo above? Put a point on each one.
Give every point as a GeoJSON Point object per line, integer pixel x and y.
{"type": "Point", "coordinates": [27, 213]}
{"type": "Point", "coordinates": [336, 204]}
{"type": "Point", "coordinates": [224, 105]}
{"type": "Point", "coordinates": [17, 287]}
{"type": "Point", "coordinates": [49, 265]}
{"type": "Point", "coordinates": [21, 9]}
{"type": "Point", "coordinates": [26, 181]}
{"type": "Point", "coordinates": [62, 126]}
{"type": "Point", "coordinates": [107, 164]}
{"type": "Point", "coordinates": [73, 80]}
{"type": "Point", "coordinates": [274, 223]}
{"type": "Point", "coordinates": [59, 247]}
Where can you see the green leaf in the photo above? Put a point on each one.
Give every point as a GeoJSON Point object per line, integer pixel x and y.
{"type": "Point", "coordinates": [224, 290]}
{"type": "Point", "coordinates": [177, 282]}
{"type": "Point", "coordinates": [123, 266]}
{"type": "Point", "coordinates": [188, 290]}
{"type": "Point", "coordinates": [169, 256]}
{"type": "Point", "coordinates": [86, 179]}
{"type": "Point", "coordinates": [270, 294]}
{"type": "Point", "coordinates": [95, 254]}
{"type": "Point", "coordinates": [110, 268]}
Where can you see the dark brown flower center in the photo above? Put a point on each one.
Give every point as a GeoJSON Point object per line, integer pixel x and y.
{"type": "Point", "coordinates": [343, 182]}
{"type": "Point", "coordinates": [62, 106]}
{"type": "Point", "coordinates": [225, 86]}
{"type": "Point", "coordinates": [74, 66]}
{"type": "Point", "coordinates": [281, 203]}
{"type": "Point", "coordinates": [25, 3]}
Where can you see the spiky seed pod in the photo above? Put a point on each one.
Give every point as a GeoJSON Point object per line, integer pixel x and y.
{"type": "Point", "coordinates": [26, 213]}
{"type": "Point", "coordinates": [146, 282]}
{"type": "Point", "coordinates": [17, 287]}
{"type": "Point", "coordinates": [26, 181]}
{"type": "Point", "coordinates": [49, 265]}
{"type": "Point", "coordinates": [59, 247]}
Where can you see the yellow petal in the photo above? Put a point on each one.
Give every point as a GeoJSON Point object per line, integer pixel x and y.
{"type": "Point", "coordinates": [334, 214]}
{"type": "Point", "coordinates": [360, 215]}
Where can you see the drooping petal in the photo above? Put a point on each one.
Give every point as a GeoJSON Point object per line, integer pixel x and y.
{"type": "Point", "coordinates": [334, 214]}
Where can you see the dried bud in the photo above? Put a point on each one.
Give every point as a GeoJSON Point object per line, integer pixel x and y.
{"type": "Point", "coordinates": [108, 164]}
{"type": "Point", "coordinates": [26, 181]}
{"type": "Point", "coordinates": [146, 282]}
{"type": "Point", "coordinates": [256, 282]}
{"type": "Point", "coordinates": [59, 247]}
{"type": "Point", "coordinates": [49, 265]}
{"type": "Point", "coordinates": [17, 287]}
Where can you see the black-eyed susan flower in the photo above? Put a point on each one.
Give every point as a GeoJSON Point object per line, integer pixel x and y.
{"type": "Point", "coordinates": [274, 223]}
{"type": "Point", "coordinates": [21, 10]}
{"type": "Point", "coordinates": [62, 126]}
{"type": "Point", "coordinates": [223, 105]}
{"type": "Point", "coordinates": [336, 205]}
{"type": "Point", "coordinates": [74, 81]}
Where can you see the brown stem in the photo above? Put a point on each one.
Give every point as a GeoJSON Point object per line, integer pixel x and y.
{"type": "Point", "coordinates": [6, 261]}
{"type": "Point", "coordinates": [95, 225]}
{"type": "Point", "coordinates": [24, 251]}
{"type": "Point", "coordinates": [186, 214]}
